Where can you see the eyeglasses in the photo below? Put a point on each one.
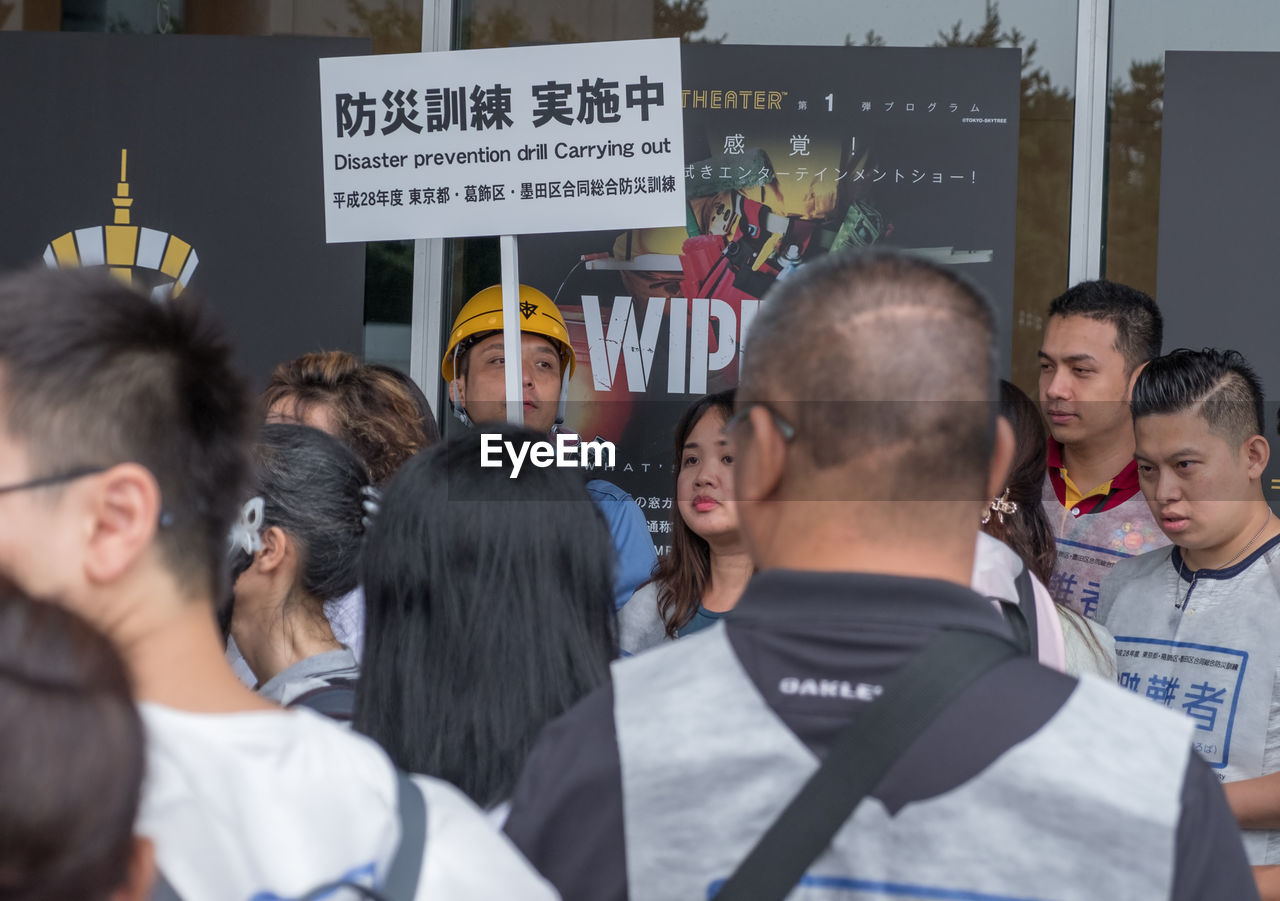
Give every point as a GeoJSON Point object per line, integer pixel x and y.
{"type": "Point", "coordinates": [70, 475]}
{"type": "Point", "coordinates": [79, 472]}
{"type": "Point", "coordinates": [786, 429]}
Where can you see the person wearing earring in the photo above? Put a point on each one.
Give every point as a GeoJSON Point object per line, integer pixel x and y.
{"type": "Point", "coordinates": [1015, 534]}
{"type": "Point", "coordinates": [1197, 625]}
{"type": "Point", "coordinates": [297, 545]}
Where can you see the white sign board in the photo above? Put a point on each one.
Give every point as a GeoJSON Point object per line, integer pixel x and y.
{"type": "Point", "coordinates": [567, 137]}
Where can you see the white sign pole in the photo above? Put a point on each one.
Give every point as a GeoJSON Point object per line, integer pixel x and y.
{"type": "Point", "coordinates": [511, 349]}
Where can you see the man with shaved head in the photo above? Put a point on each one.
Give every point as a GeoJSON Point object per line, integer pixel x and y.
{"type": "Point", "coordinates": [866, 449]}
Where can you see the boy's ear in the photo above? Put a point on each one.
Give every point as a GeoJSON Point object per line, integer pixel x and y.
{"type": "Point", "coordinates": [1257, 452]}
{"type": "Point", "coordinates": [123, 516]}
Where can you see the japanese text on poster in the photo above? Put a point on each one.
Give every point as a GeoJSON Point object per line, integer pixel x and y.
{"type": "Point", "coordinates": [790, 153]}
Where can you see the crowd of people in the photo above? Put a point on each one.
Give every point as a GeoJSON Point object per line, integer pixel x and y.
{"type": "Point", "coordinates": [916, 635]}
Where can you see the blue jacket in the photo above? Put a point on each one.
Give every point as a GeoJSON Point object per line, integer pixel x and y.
{"type": "Point", "coordinates": [635, 554]}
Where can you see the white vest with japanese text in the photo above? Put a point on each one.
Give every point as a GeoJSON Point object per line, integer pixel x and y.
{"type": "Point", "coordinates": [1089, 544]}
{"type": "Point", "coordinates": [1215, 660]}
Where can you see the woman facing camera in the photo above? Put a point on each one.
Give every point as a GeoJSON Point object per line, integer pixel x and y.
{"type": "Point", "coordinates": [488, 612]}
{"type": "Point", "coordinates": [296, 547]}
{"type": "Point", "coordinates": [704, 574]}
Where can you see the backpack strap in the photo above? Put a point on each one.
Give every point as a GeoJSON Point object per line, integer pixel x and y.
{"type": "Point", "coordinates": [860, 756]}
{"type": "Point", "coordinates": [1021, 617]}
{"type": "Point", "coordinates": [163, 890]}
{"type": "Point", "coordinates": [1027, 607]}
{"type": "Point", "coordinates": [337, 700]}
{"type": "Point", "coordinates": [406, 864]}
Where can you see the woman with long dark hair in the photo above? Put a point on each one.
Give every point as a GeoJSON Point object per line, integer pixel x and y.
{"type": "Point", "coordinates": [296, 548]}
{"type": "Point", "coordinates": [488, 612]}
{"type": "Point", "coordinates": [704, 574]}
{"type": "Point", "coordinates": [1018, 519]}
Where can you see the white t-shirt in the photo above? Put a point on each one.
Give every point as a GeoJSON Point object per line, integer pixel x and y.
{"type": "Point", "coordinates": [272, 804]}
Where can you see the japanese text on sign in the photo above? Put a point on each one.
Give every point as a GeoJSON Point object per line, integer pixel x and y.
{"type": "Point", "coordinates": [514, 141]}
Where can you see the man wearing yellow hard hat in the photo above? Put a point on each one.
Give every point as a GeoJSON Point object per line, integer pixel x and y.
{"type": "Point", "coordinates": [474, 367]}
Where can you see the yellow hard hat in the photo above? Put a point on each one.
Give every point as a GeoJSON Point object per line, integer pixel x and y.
{"type": "Point", "coordinates": [483, 313]}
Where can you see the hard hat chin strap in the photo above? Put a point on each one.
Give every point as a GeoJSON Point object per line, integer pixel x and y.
{"type": "Point", "coordinates": [564, 396]}
{"type": "Point", "coordinates": [461, 415]}
{"type": "Point", "coordinates": [458, 412]}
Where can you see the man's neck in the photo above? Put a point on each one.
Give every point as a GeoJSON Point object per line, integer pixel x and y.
{"type": "Point", "coordinates": [1095, 463]}
{"type": "Point", "coordinates": [174, 651]}
{"type": "Point", "coordinates": [807, 537]}
{"type": "Point", "coordinates": [1256, 531]}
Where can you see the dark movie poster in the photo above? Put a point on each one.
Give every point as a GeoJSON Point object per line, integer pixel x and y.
{"type": "Point", "coordinates": [1216, 279]}
{"type": "Point", "coordinates": [790, 153]}
{"type": "Point", "coordinates": [184, 164]}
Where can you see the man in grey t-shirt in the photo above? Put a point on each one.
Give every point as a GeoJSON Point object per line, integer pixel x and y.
{"type": "Point", "coordinates": [1197, 625]}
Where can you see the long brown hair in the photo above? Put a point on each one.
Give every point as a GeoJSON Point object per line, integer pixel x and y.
{"type": "Point", "coordinates": [683, 572]}
{"type": "Point", "coordinates": [1027, 531]}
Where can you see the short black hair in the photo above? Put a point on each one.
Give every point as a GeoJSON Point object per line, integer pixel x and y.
{"type": "Point", "coordinates": [94, 373]}
{"type": "Point", "coordinates": [488, 611]}
{"type": "Point", "coordinates": [883, 356]}
{"type": "Point", "coordinates": [1220, 384]}
{"type": "Point", "coordinates": [313, 488]}
{"type": "Point", "coordinates": [1138, 322]}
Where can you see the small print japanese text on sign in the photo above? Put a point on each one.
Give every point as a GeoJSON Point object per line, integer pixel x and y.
{"type": "Point", "coordinates": [513, 141]}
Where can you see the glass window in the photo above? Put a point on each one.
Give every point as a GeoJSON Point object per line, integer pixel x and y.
{"type": "Point", "coordinates": [1045, 32]}
{"type": "Point", "coordinates": [1141, 32]}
